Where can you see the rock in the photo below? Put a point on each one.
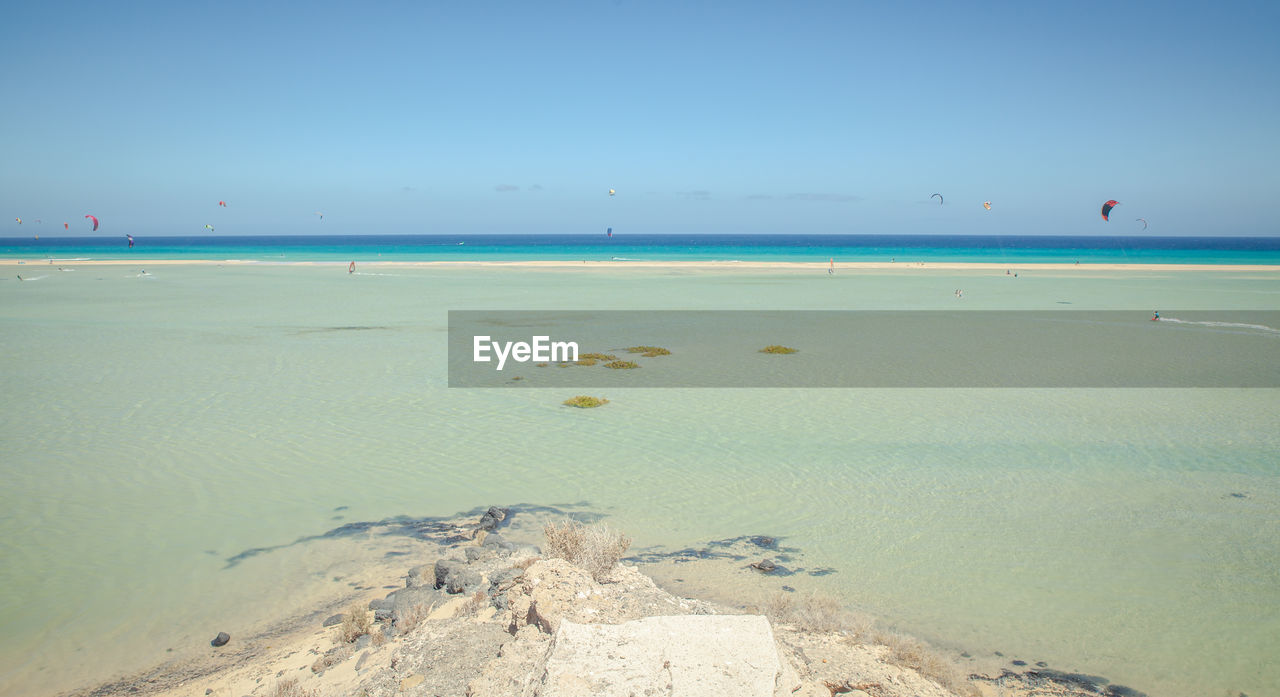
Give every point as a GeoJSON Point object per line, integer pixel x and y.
{"type": "Point", "coordinates": [360, 663]}
{"type": "Point", "coordinates": [493, 539]}
{"type": "Point", "coordinates": [764, 566]}
{"type": "Point", "coordinates": [454, 577]}
{"type": "Point", "coordinates": [334, 620]}
{"type": "Point", "coordinates": [383, 608]}
{"type": "Point", "coordinates": [466, 582]}
{"type": "Point", "coordinates": [491, 518]}
{"type": "Point", "coordinates": [553, 589]}
{"type": "Point", "coordinates": [412, 681]}
{"type": "Point", "coordinates": [419, 576]}
{"type": "Point", "coordinates": [681, 656]}
{"type": "Point", "coordinates": [408, 605]}
{"type": "Point", "coordinates": [221, 639]}
{"type": "Point", "coordinates": [446, 567]}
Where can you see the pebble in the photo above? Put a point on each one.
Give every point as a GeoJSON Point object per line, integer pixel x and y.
{"type": "Point", "coordinates": [221, 639]}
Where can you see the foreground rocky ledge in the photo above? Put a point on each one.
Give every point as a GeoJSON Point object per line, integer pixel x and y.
{"type": "Point", "coordinates": [494, 618]}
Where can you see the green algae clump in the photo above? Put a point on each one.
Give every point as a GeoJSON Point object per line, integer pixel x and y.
{"type": "Point", "coordinates": [587, 361]}
{"type": "Point", "coordinates": [597, 357]}
{"type": "Point", "coordinates": [584, 402]}
{"type": "Point", "coordinates": [775, 348]}
{"type": "Point", "coordinates": [621, 365]}
{"type": "Point", "coordinates": [648, 351]}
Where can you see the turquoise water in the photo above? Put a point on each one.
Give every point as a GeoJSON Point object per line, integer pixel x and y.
{"type": "Point", "coordinates": [157, 425]}
{"type": "Point", "coordinates": [793, 247]}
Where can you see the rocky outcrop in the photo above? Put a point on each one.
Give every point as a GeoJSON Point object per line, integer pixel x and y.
{"type": "Point", "coordinates": [680, 656]}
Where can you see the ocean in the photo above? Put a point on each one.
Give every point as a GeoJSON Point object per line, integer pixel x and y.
{"type": "Point", "coordinates": [200, 448]}
{"type": "Point", "coordinates": [813, 248]}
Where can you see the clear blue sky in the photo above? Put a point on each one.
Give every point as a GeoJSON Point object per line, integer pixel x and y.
{"type": "Point", "coordinates": [726, 117]}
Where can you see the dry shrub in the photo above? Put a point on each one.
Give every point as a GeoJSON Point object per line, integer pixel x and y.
{"type": "Point", "coordinates": [289, 688]}
{"type": "Point", "coordinates": [593, 548]}
{"type": "Point", "coordinates": [413, 617]}
{"type": "Point", "coordinates": [911, 653]}
{"type": "Point", "coordinates": [355, 624]}
{"type": "Point", "coordinates": [809, 612]}
{"type": "Point", "coordinates": [478, 602]}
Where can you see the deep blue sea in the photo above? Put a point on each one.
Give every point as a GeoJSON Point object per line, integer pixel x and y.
{"type": "Point", "coordinates": [797, 248]}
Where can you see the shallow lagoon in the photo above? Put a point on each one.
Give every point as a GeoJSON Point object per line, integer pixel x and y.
{"type": "Point", "coordinates": [157, 426]}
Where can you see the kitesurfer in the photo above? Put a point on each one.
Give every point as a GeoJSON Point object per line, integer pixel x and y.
{"type": "Point", "coordinates": [351, 268]}
{"type": "Point", "coordinates": [1156, 316]}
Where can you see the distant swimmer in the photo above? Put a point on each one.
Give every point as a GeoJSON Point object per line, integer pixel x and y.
{"type": "Point", "coordinates": [19, 277]}
{"type": "Point", "coordinates": [1155, 317]}
{"type": "Point", "coordinates": [351, 268]}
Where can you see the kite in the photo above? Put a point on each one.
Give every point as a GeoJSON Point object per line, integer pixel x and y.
{"type": "Point", "coordinates": [611, 192]}
{"type": "Point", "coordinates": [222, 203]}
{"type": "Point", "coordinates": [66, 226]}
{"type": "Point", "coordinates": [320, 214]}
{"type": "Point", "coordinates": [19, 220]}
{"type": "Point", "coordinates": [95, 222]}
{"type": "Point", "coordinates": [1143, 221]}
{"type": "Point", "coordinates": [939, 198]}
{"type": "Point", "coordinates": [210, 228]}
{"type": "Point", "coordinates": [986, 205]}
{"type": "Point", "coordinates": [1106, 208]}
